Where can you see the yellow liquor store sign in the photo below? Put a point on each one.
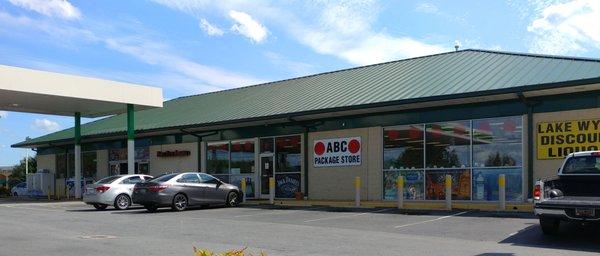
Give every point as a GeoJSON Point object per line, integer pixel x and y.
{"type": "Point", "coordinates": [555, 140]}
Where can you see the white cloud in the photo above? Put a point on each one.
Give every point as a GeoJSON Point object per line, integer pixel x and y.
{"type": "Point", "coordinates": [248, 26]}
{"type": "Point", "coordinates": [175, 72]}
{"type": "Point", "coordinates": [338, 28]}
{"type": "Point", "coordinates": [51, 8]}
{"type": "Point", "coordinates": [210, 29]}
{"type": "Point", "coordinates": [427, 8]}
{"type": "Point", "coordinates": [345, 30]}
{"type": "Point", "coordinates": [45, 125]}
{"type": "Point", "coordinates": [159, 54]}
{"type": "Point", "coordinates": [3, 114]}
{"type": "Point", "coordinates": [563, 28]}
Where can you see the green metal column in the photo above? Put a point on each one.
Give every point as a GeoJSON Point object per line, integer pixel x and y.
{"type": "Point", "coordinates": [305, 160]}
{"type": "Point", "coordinates": [77, 182]}
{"type": "Point", "coordinates": [130, 139]}
{"type": "Point", "coordinates": [530, 142]}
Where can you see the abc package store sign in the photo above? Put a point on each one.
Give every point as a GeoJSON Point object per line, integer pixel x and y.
{"type": "Point", "coordinates": [555, 140]}
{"type": "Point", "coordinates": [337, 152]}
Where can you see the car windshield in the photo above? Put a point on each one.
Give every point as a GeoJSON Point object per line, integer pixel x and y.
{"type": "Point", "coordinates": [582, 165]}
{"type": "Point", "coordinates": [108, 179]}
{"type": "Point", "coordinates": [164, 177]}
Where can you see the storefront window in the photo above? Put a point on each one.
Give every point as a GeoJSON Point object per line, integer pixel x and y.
{"type": "Point", "coordinates": [267, 145]}
{"type": "Point", "coordinates": [448, 144]}
{"type": "Point", "coordinates": [497, 142]}
{"type": "Point", "coordinates": [242, 157]}
{"type": "Point", "coordinates": [288, 154]}
{"type": "Point", "coordinates": [436, 181]}
{"type": "Point", "coordinates": [485, 184]}
{"type": "Point", "coordinates": [89, 167]}
{"type": "Point", "coordinates": [413, 184]}
{"type": "Point", "coordinates": [403, 147]}
{"type": "Point", "coordinates": [473, 152]}
{"type": "Point", "coordinates": [234, 161]}
{"type": "Point", "coordinates": [217, 158]}
{"type": "Point", "coordinates": [237, 180]}
{"type": "Point", "coordinates": [61, 165]}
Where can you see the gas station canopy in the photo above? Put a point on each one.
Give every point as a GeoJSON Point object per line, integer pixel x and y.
{"type": "Point", "coordinates": [33, 91]}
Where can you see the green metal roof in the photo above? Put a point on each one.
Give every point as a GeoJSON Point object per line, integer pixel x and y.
{"type": "Point", "coordinates": [441, 76]}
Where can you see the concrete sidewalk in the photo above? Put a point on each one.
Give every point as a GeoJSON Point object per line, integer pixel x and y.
{"type": "Point", "coordinates": [482, 206]}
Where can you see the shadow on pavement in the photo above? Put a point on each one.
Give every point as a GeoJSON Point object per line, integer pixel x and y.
{"type": "Point", "coordinates": [572, 236]}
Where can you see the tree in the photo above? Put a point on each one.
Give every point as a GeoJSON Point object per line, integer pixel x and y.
{"type": "Point", "coordinates": [18, 173]}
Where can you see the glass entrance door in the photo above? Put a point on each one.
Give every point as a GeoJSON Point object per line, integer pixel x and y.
{"type": "Point", "coordinates": [266, 171]}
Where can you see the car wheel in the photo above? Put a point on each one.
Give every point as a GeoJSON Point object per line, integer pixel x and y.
{"type": "Point", "coordinates": [151, 208]}
{"type": "Point", "coordinates": [122, 202]}
{"type": "Point", "coordinates": [232, 199]}
{"type": "Point", "coordinates": [100, 207]}
{"type": "Point", "coordinates": [180, 202]}
{"type": "Point", "coordinates": [549, 226]}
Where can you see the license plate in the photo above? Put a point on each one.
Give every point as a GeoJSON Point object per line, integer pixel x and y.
{"type": "Point", "coordinates": [142, 190]}
{"type": "Point", "coordinates": [91, 191]}
{"type": "Point", "coordinates": [585, 212]}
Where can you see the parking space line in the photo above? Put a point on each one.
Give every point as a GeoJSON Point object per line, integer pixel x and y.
{"type": "Point", "coordinates": [427, 221]}
{"type": "Point", "coordinates": [277, 212]}
{"type": "Point", "coordinates": [345, 216]}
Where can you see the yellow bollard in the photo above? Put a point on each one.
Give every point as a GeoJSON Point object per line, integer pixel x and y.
{"type": "Point", "coordinates": [357, 191]}
{"type": "Point", "coordinates": [448, 192]}
{"type": "Point", "coordinates": [502, 192]}
{"type": "Point", "coordinates": [272, 190]}
{"type": "Point", "coordinates": [400, 190]}
{"type": "Point", "coordinates": [243, 187]}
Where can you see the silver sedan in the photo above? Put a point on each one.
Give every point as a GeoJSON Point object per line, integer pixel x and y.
{"type": "Point", "coordinates": [113, 190]}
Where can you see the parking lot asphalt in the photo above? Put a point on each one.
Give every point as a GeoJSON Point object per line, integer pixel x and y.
{"type": "Point", "coordinates": [73, 228]}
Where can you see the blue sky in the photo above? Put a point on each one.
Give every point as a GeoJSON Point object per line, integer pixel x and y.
{"type": "Point", "coordinates": [196, 46]}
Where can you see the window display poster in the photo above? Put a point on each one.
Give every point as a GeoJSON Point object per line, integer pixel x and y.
{"type": "Point", "coordinates": [237, 180]}
{"type": "Point", "coordinates": [435, 184]}
{"type": "Point", "coordinates": [286, 185]}
{"type": "Point", "coordinates": [413, 184]}
{"type": "Point", "coordinates": [485, 184]}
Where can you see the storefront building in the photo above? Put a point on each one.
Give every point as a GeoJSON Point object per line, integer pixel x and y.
{"type": "Point", "coordinates": [472, 114]}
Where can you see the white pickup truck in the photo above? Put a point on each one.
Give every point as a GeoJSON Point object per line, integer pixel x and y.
{"type": "Point", "coordinates": [574, 196]}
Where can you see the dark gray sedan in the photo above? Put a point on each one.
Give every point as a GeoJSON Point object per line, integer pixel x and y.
{"type": "Point", "coordinates": [181, 190]}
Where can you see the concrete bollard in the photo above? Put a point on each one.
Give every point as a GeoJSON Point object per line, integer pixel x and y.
{"type": "Point", "coordinates": [357, 191]}
{"type": "Point", "coordinates": [448, 192]}
{"type": "Point", "coordinates": [272, 190]}
{"type": "Point", "coordinates": [400, 191]}
{"type": "Point", "coordinates": [243, 188]}
{"type": "Point", "coordinates": [502, 192]}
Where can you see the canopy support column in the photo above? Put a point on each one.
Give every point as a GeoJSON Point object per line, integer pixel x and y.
{"type": "Point", "coordinates": [77, 182]}
{"type": "Point", "coordinates": [130, 140]}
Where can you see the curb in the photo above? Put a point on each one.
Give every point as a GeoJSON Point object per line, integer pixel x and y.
{"type": "Point", "coordinates": [488, 207]}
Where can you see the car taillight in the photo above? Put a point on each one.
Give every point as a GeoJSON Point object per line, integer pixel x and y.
{"type": "Point", "coordinates": [157, 188]}
{"type": "Point", "coordinates": [102, 189]}
{"type": "Point", "coordinates": [537, 192]}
